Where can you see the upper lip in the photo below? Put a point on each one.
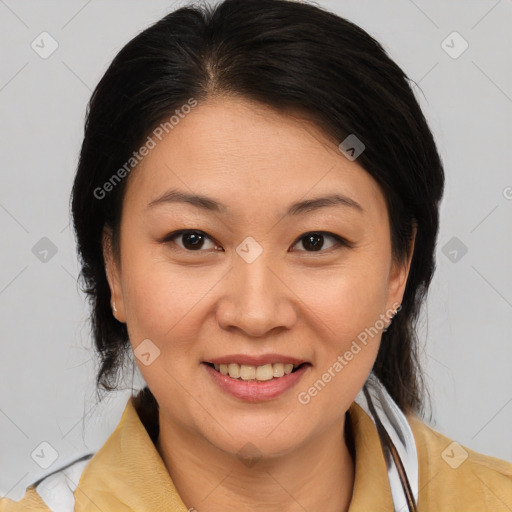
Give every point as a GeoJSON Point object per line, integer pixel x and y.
{"type": "Point", "coordinates": [256, 360]}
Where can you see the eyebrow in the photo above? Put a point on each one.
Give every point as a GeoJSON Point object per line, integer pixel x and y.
{"type": "Point", "coordinates": [210, 204]}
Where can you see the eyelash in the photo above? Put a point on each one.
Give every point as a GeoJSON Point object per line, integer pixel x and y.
{"type": "Point", "coordinates": [340, 242]}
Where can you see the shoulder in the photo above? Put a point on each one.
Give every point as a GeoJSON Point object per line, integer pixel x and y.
{"type": "Point", "coordinates": [454, 477]}
{"type": "Point", "coordinates": [52, 492]}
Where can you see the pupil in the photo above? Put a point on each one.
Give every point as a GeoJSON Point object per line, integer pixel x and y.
{"type": "Point", "coordinates": [310, 240]}
{"type": "Point", "coordinates": [196, 240]}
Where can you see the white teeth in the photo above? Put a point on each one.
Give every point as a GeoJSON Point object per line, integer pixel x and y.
{"type": "Point", "coordinates": [262, 373]}
{"type": "Point", "coordinates": [247, 372]}
{"type": "Point", "coordinates": [234, 370]}
{"type": "Point", "coordinates": [288, 367]}
{"type": "Point", "coordinates": [265, 372]}
{"type": "Point", "coordinates": [278, 369]}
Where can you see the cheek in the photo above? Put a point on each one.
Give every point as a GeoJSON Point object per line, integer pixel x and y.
{"type": "Point", "coordinates": [162, 304]}
{"type": "Point", "coordinates": [349, 298]}
{"type": "Point", "coordinates": [163, 301]}
{"type": "Point", "coordinates": [347, 310]}
{"type": "Point", "coordinates": [349, 305]}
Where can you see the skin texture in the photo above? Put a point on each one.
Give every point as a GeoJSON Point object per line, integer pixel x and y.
{"type": "Point", "coordinates": [208, 302]}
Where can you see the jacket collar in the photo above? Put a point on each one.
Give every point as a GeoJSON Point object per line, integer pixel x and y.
{"type": "Point", "coordinates": [128, 473]}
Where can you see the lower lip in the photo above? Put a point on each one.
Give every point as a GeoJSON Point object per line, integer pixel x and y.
{"type": "Point", "coordinates": [256, 391]}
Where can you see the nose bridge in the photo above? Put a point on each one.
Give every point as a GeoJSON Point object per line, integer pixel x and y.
{"type": "Point", "coordinates": [256, 300]}
{"type": "Point", "coordinates": [253, 279]}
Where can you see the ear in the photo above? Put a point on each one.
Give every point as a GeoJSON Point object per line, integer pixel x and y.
{"type": "Point", "coordinates": [398, 275]}
{"type": "Point", "coordinates": [113, 273]}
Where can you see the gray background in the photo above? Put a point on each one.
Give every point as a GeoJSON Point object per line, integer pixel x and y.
{"type": "Point", "coordinates": [47, 372]}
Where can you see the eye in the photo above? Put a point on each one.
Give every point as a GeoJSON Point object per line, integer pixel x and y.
{"type": "Point", "coordinates": [314, 241]}
{"type": "Point", "coordinates": [192, 240]}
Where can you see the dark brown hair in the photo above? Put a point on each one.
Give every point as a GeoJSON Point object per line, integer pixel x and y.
{"type": "Point", "coordinates": [292, 57]}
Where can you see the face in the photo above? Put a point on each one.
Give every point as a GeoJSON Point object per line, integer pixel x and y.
{"type": "Point", "coordinates": [246, 278]}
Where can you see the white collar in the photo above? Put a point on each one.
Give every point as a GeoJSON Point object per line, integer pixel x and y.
{"type": "Point", "coordinates": [383, 409]}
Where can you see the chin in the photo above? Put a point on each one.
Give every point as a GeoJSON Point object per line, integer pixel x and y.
{"type": "Point", "coordinates": [262, 438]}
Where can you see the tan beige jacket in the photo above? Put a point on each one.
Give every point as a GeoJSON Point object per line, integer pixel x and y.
{"type": "Point", "coordinates": [127, 474]}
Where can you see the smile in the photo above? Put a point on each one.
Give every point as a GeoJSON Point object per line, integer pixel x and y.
{"type": "Point", "coordinates": [260, 373]}
{"type": "Point", "coordinates": [256, 383]}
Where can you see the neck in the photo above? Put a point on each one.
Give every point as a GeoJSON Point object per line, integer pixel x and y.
{"type": "Point", "coordinates": [318, 475]}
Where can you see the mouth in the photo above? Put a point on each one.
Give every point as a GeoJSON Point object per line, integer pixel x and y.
{"type": "Point", "coordinates": [251, 373]}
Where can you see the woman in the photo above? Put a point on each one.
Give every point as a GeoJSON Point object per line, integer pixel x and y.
{"type": "Point", "coordinates": [256, 210]}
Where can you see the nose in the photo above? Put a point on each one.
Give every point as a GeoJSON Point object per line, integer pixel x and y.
{"type": "Point", "coordinates": [256, 299]}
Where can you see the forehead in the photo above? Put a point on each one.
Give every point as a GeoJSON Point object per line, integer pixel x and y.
{"type": "Point", "coordinates": [241, 153]}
